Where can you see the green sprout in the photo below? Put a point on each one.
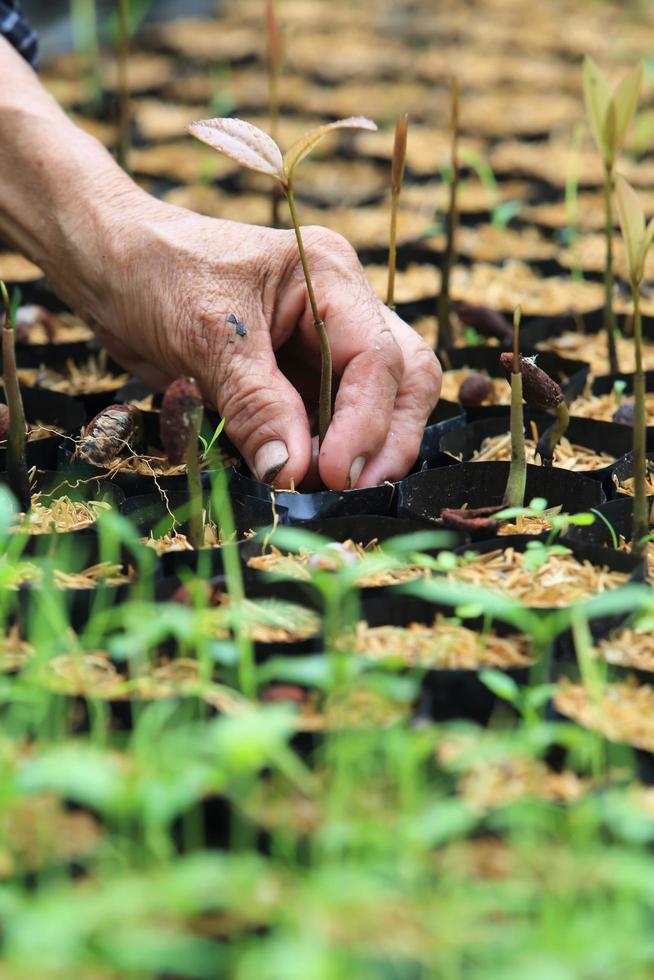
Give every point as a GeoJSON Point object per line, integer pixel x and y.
{"type": "Point", "coordinates": [609, 116]}
{"type": "Point", "coordinates": [637, 238]}
{"type": "Point", "coordinates": [514, 494]}
{"type": "Point", "coordinates": [397, 175]}
{"type": "Point", "coordinates": [274, 60]}
{"type": "Point", "coordinates": [445, 331]}
{"type": "Point", "coordinates": [17, 473]}
{"type": "Point", "coordinates": [254, 149]}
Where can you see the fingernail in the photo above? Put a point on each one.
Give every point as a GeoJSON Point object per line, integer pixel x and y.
{"type": "Point", "coordinates": [269, 460]}
{"type": "Point", "coordinates": [355, 471]}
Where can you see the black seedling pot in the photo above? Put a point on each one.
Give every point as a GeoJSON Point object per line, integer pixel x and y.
{"type": "Point", "coordinates": [446, 417]}
{"type": "Point", "coordinates": [423, 495]}
{"type": "Point", "coordinates": [79, 604]}
{"type": "Point", "coordinates": [570, 374]}
{"type": "Point", "coordinates": [617, 513]}
{"type": "Point", "coordinates": [151, 511]}
{"type": "Point", "coordinates": [55, 483]}
{"type": "Point", "coordinates": [445, 694]}
{"type": "Point", "coordinates": [49, 407]}
{"type": "Point", "coordinates": [608, 437]}
{"type": "Point", "coordinates": [257, 589]}
{"type": "Point", "coordinates": [129, 481]}
{"type": "Point", "coordinates": [622, 470]}
{"type": "Point", "coordinates": [615, 561]}
{"type": "Point", "coordinates": [322, 503]}
{"type": "Point", "coordinates": [362, 530]}
{"type": "Point", "coordinates": [52, 354]}
{"type": "Point", "coordinates": [538, 329]}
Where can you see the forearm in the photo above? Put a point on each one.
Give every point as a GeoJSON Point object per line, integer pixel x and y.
{"type": "Point", "coordinates": [60, 190]}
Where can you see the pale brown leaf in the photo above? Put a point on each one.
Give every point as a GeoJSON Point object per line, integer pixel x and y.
{"type": "Point", "coordinates": [307, 142]}
{"type": "Point", "coordinates": [241, 141]}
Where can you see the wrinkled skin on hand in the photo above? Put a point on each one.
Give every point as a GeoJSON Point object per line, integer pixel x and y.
{"type": "Point", "coordinates": [226, 303]}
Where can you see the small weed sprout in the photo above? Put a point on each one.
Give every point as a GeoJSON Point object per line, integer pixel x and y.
{"type": "Point", "coordinates": [637, 239]}
{"type": "Point", "coordinates": [17, 473]}
{"type": "Point", "coordinates": [122, 51]}
{"type": "Point", "coordinates": [274, 61]}
{"type": "Point", "coordinates": [609, 116]}
{"type": "Point", "coordinates": [180, 423]}
{"type": "Point", "coordinates": [253, 148]}
{"type": "Point", "coordinates": [397, 176]}
{"type": "Point", "coordinates": [445, 335]}
{"type": "Point", "coordinates": [514, 494]}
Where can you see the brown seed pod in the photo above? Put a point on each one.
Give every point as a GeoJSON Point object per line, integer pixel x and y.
{"type": "Point", "coordinates": [109, 434]}
{"type": "Point", "coordinates": [28, 316]}
{"type": "Point", "coordinates": [4, 422]}
{"type": "Point", "coordinates": [538, 389]}
{"type": "Point", "coordinates": [474, 390]}
{"type": "Point", "coordinates": [285, 692]}
{"type": "Point", "coordinates": [180, 418]}
{"type": "Point", "coordinates": [484, 320]}
{"type": "Point", "coordinates": [624, 414]}
{"type": "Point", "coordinates": [470, 518]}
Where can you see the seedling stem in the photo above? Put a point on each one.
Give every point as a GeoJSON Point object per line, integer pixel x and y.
{"type": "Point", "coordinates": [609, 314]}
{"type": "Point", "coordinates": [640, 528]}
{"type": "Point", "coordinates": [123, 85]}
{"type": "Point", "coordinates": [515, 487]}
{"type": "Point", "coordinates": [397, 175]}
{"type": "Point", "coordinates": [17, 474]}
{"type": "Point", "coordinates": [445, 333]}
{"type": "Point", "coordinates": [325, 401]}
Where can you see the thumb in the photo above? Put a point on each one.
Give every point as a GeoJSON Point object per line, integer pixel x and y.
{"type": "Point", "coordinates": [264, 415]}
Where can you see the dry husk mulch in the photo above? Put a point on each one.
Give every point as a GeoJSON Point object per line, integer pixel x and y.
{"type": "Point", "coordinates": [592, 348]}
{"type": "Point", "coordinates": [525, 525]}
{"type": "Point", "coordinates": [14, 651]}
{"type": "Point", "coordinates": [589, 253]}
{"type": "Point", "coordinates": [567, 455]}
{"type": "Point", "coordinates": [94, 675]}
{"type": "Point", "coordinates": [626, 487]}
{"type": "Point", "coordinates": [79, 379]}
{"type": "Point", "coordinates": [38, 831]}
{"type": "Point", "coordinates": [333, 558]}
{"type": "Point", "coordinates": [263, 620]}
{"type": "Point", "coordinates": [58, 514]}
{"type": "Point", "coordinates": [500, 393]}
{"type": "Point", "coordinates": [67, 327]}
{"type": "Point", "coordinates": [103, 573]}
{"type": "Point", "coordinates": [622, 712]}
{"type": "Point", "coordinates": [488, 786]}
{"type": "Point", "coordinates": [516, 284]}
{"type": "Point", "coordinates": [16, 268]}
{"type": "Point", "coordinates": [490, 243]}
{"type": "Point", "coordinates": [357, 708]}
{"type": "Point", "coordinates": [630, 647]}
{"type": "Point", "coordinates": [560, 581]}
{"type": "Point", "coordinates": [443, 645]}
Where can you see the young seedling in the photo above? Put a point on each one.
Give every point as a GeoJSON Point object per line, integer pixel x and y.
{"type": "Point", "coordinates": [543, 394]}
{"type": "Point", "coordinates": [609, 116]}
{"type": "Point", "coordinates": [84, 24]}
{"type": "Point", "coordinates": [514, 495]}
{"type": "Point", "coordinates": [17, 474]}
{"type": "Point", "coordinates": [637, 239]}
{"type": "Point", "coordinates": [254, 149]}
{"type": "Point", "coordinates": [274, 56]}
{"type": "Point", "coordinates": [397, 176]}
{"type": "Point", "coordinates": [180, 423]}
{"type": "Point", "coordinates": [122, 58]}
{"type": "Point", "coordinates": [445, 332]}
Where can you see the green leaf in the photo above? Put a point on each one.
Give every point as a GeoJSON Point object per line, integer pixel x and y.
{"type": "Point", "coordinates": [500, 684]}
{"type": "Point", "coordinates": [625, 101]}
{"type": "Point", "coordinates": [648, 238]}
{"type": "Point", "coordinates": [632, 224]}
{"type": "Point", "coordinates": [307, 142]}
{"type": "Point", "coordinates": [243, 142]}
{"type": "Point", "coordinates": [596, 99]}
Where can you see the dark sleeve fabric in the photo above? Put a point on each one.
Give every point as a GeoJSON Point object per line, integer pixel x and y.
{"type": "Point", "coordinates": [18, 31]}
